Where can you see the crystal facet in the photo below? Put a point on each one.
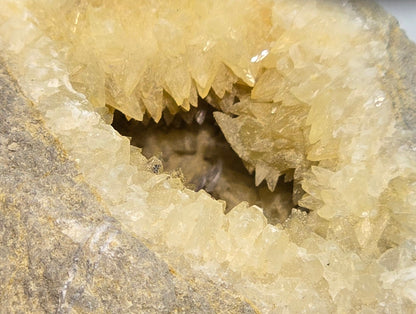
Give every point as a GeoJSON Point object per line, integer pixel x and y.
{"type": "Point", "coordinates": [314, 90]}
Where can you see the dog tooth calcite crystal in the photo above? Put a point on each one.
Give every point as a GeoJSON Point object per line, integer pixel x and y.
{"type": "Point", "coordinates": [319, 91]}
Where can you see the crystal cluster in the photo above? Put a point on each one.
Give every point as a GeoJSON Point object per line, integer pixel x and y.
{"type": "Point", "coordinates": [198, 153]}
{"type": "Point", "coordinates": [300, 92]}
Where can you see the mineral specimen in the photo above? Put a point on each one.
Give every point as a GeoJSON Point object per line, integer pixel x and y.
{"type": "Point", "coordinates": [321, 92]}
{"type": "Point", "coordinates": [198, 153]}
{"type": "Point", "coordinates": [60, 251]}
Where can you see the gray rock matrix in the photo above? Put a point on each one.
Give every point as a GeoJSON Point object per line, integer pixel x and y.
{"type": "Point", "coordinates": [60, 251]}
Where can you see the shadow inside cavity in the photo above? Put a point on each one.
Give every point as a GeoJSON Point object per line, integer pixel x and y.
{"type": "Point", "coordinates": [192, 142]}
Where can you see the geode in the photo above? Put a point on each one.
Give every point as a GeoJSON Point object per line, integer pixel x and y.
{"type": "Point", "coordinates": [318, 92]}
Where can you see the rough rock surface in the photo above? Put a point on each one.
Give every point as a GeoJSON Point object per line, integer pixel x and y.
{"type": "Point", "coordinates": [400, 80]}
{"type": "Point", "coordinates": [60, 250]}
{"type": "Point", "coordinates": [351, 66]}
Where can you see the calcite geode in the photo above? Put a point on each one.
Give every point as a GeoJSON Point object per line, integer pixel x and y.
{"type": "Point", "coordinates": [318, 91]}
{"type": "Point", "coordinates": [60, 250]}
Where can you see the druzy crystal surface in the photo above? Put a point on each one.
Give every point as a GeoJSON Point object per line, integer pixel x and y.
{"type": "Point", "coordinates": [317, 91]}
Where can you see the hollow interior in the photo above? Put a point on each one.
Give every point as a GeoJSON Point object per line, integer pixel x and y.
{"type": "Point", "coordinates": [192, 146]}
{"type": "Point", "coordinates": [299, 86]}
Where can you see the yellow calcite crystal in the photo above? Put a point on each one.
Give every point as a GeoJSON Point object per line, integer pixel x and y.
{"type": "Point", "coordinates": [302, 89]}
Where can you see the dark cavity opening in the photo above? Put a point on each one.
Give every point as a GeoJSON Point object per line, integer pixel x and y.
{"type": "Point", "coordinates": [192, 143]}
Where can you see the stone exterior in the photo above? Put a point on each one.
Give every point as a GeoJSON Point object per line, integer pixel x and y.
{"type": "Point", "coordinates": [60, 251]}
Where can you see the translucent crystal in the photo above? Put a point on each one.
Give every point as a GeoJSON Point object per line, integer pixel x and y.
{"type": "Point", "coordinates": [316, 107]}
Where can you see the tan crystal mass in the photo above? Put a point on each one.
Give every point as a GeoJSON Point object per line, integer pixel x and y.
{"type": "Point", "coordinates": [317, 90]}
{"type": "Point", "coordinates": [61, 251]}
